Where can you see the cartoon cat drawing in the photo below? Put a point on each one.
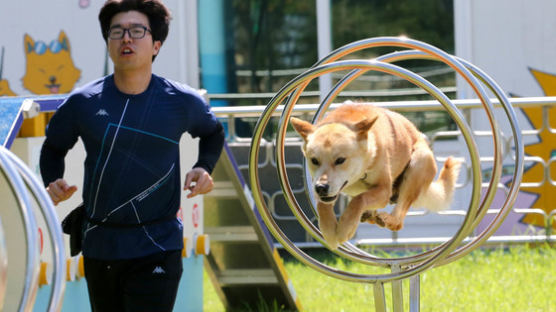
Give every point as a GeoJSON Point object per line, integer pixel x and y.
{"type": "Point", "coordinates": [49, 68]}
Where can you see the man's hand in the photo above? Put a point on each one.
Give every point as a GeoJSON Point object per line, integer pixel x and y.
{"type": "Point", "coordinates": [59, 190]}
{"type": "Point", "coordinates": [203, 182]}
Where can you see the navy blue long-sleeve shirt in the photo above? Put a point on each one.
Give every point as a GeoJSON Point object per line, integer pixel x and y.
{"type": "Point", "coordinates": [132, 172]}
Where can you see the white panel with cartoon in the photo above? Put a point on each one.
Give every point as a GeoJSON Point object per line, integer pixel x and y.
{"type": "Point", "coordinates": [52, 47]}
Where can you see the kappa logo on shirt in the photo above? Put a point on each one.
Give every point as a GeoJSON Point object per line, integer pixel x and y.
{"type": "Point", "coordinates": [158, 270]}
{"type": "Point", "coordinates": [101, 112]}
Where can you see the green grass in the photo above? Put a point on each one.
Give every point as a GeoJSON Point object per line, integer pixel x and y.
{"type": "Point", "coordinates": [514, 279]}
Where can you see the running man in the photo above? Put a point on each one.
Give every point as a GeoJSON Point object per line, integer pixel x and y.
{"type": "Point", "coordinates": [130, 123]}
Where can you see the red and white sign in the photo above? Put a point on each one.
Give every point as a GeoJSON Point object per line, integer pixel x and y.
{"type": "Point", "coordinates": [41, 240]}
{"type": "Point", "coordinates": [195, 215]}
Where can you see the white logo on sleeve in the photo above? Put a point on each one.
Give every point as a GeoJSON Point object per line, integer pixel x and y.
{"type": "Point", "coordinates": [158, 270]}
{"type": "Point", "coordinates": [101, 112]}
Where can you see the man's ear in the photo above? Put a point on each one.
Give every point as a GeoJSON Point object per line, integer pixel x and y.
{"type": "Point", "coordinates": [156, 47]}
{"type": "Point", "coordinates": [363, 127]}
{"type": "Point", "coordinates": [302, 127]}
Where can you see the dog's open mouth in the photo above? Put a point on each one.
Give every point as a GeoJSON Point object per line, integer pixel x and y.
{"type": "Point", "coordinates": [328, 199]}
{"type": "Point", "coordinates": [54, 88]}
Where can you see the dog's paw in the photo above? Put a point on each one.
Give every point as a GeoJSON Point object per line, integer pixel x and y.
{"type": "Point", "coordinates": [368, 216]}
{"type": "Point", "coordinates": [378, 219]}
{"type": "Point", "coordinates": [331, 240]}
{"type": "Point", "coordinates": [333, 245]}
{"type": "Point", "coordinates": [388, 221]}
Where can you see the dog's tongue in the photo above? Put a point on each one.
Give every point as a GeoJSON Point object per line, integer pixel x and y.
{"type": "Point", "coordinates": [54, 90]}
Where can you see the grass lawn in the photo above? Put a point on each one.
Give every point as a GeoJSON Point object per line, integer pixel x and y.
{"type": "Point", "coordinates": [515, 279]}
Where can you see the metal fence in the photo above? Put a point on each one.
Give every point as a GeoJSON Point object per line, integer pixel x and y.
{"type": "Point", "coordinates": [245, 116]}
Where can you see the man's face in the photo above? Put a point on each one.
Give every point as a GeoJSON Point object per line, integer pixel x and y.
{"type": "Point", "coordinates": [130, 53]}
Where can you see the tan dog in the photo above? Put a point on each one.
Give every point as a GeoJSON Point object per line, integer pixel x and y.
{"type": "Point", "coordinates": [375, 156]}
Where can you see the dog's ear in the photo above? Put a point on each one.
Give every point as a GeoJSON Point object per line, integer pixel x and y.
{"type": "Point", "coordinates": [302, 127]}
{"type": "Point", "coordinates": [362, 127]}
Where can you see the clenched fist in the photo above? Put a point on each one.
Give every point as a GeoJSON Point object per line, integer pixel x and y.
{"type": "Point", "coordinates": [59, 190]}
{"type": "Point", "coordinates": [203, 182]}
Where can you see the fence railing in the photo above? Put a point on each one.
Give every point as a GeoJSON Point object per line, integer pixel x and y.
{"type": "Point", "coordinates": [534, 234]}
{"type": "Point", "coordinates": [231, 114]}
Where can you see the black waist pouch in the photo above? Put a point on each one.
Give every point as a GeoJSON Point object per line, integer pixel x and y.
{"type": "Point", "coordinates": [74, 221]}
{"type": "Point", "coordinates": [73, 226]}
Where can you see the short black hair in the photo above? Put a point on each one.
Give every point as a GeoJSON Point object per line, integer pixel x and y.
{"type": "Point", "coordinates": [158, 14]}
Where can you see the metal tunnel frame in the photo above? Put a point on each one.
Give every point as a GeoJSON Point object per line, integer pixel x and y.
{"type": "Point", "coordinates": [3, 266]}
{"type": "Point", "coordinates": [22, 180]}
{"type": "Point", "coordinates": [403, 267]}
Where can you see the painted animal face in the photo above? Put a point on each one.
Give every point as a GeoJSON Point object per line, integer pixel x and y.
{"type": "Point", "coordinates": [337, 155]}
{"type": "Point", "coordinates": [49, 67]}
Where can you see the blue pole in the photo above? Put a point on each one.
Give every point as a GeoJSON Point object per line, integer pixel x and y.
{"type": "Point", "coordinates": [212, 46]}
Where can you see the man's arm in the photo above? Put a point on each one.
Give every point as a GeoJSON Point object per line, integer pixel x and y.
{"type": "Point", "coordinates": [52, 170]}
{"type": "Point", "coordinates": [60, 137]}
{"type": "Point", "coordinates": [210, 148]}
{"type": "Point", "coordinates": [51, 163]}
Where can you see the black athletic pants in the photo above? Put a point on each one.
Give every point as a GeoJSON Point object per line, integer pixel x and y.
{"type": "Point", "coordinates": [139, 285]}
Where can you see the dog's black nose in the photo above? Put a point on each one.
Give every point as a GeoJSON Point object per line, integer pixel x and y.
{"type": "Point", "coordinates": [322, 189]}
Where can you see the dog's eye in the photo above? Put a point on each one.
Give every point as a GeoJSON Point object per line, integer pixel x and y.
{"type": "Point", "coordinates": [340, 161]}
{"type": "Point", "coordinates": [315, 161]}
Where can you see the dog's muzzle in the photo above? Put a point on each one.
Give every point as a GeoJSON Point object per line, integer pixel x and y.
{"type": "Point", "coordinates": [322, 191]}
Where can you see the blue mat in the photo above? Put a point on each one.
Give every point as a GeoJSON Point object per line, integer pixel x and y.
{"type": "Point", "coordinates": [11, 114]}
{"type": "Point", "coordinates": [11, 117]}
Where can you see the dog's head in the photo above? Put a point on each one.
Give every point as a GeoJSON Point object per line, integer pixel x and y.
{"type": "Point", "coordinates": [337, 154]}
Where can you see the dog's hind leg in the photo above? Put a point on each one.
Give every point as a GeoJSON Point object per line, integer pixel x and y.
{"type": "Point", "coordinates": [416, 179]}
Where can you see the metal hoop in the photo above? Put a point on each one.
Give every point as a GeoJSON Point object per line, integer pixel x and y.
{"type": "Point", "coordinates": [489, 195]}
{"type": "Point", "coordinates": [3, 267]}
{"type": "Point", "coordinates": [351, 253]}
{"type": "Point", "coordinates": [19, 178]}
{"type": "Point", "coordinates": [442, 254]}
{"type": "Point", "coordinates": [31, 279]}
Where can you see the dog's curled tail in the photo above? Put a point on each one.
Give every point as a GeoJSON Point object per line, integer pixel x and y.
{"type": "Point", "coordinates": [440, 193]}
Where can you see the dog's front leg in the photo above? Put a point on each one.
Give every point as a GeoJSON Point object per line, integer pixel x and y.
{"type": "Point", "coordinates": [350, 219]}
{"type": "Point", "coordinates": [328, 224]}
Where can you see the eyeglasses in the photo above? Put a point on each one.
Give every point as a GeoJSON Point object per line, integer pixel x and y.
{"type": "Point", "coordinates": [40, 47]}
{"type": "Point", "coordinates": [135, 32]}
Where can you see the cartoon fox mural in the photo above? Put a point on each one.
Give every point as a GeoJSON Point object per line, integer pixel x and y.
{"type": "Point", "coordinates": [4, 85]}
{"type": "Point", "coordinates": [5, 88]}
{"type": "Point", "coordinates": [49, 68]}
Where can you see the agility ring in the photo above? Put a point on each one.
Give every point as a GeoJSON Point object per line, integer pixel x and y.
{"type": "Point", "coordinates": [409, 266]}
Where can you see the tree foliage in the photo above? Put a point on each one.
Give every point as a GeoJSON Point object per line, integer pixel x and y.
{"type": "Point", "coordinates": [282, 34]}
